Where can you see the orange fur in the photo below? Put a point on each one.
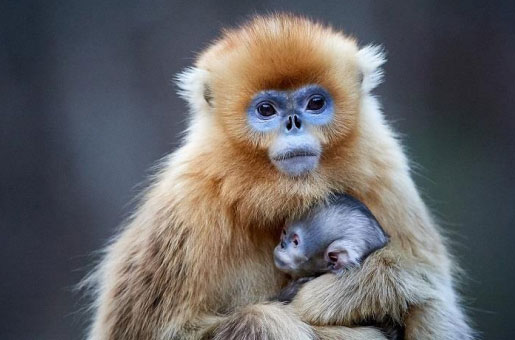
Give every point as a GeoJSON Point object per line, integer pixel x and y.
{"type": "Point", "coordinates": [196, 258]}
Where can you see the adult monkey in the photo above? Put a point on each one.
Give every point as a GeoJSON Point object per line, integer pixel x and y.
{"type": "Point", "coordinates": [281, 117]}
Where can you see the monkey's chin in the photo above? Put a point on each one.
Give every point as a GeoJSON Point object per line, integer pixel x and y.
{"type": "Point", "coordinates": [296, 166]}
{"type": "Point", "coordinates": [284, 266]}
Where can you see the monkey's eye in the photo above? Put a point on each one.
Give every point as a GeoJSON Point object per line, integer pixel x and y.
{"type": "Point", "coordinates": [284, 231]}
{"type": "Point", "coordinates": [295, 240]}
{"type": "Point", "coordinates": [266, 109]}
{"type": "Point", "coordinates": [315, 103]}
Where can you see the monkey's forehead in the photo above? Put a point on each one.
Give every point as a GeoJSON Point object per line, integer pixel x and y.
{"type": "Point", "coordinates": [304, 228]}
{"type": "Point", "coordinates": [281, 52]}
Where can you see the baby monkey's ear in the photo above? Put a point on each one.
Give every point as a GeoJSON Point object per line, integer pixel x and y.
{"type": "Point", "coordinates": [341, 255]}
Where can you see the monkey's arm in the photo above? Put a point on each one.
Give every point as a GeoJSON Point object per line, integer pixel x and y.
{"type": "Point", "coordinates": [275, 321]}
{"type": "Point", "coordinates": [386, 286]}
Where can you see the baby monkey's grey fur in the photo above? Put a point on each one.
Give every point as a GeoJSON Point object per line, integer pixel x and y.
{"type": "Point", "coordinates": [335, 235]}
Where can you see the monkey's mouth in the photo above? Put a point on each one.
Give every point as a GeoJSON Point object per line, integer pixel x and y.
{"type": "Point", "coordinates": [294, 154]}
{"type": "Point", "coordinates": [296, 162]}
{"type": "Point", "coordinates": [281, 262]}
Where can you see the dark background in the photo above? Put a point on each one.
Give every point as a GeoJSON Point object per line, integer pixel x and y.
{"type": "Point", "coordinates": [87, 107]}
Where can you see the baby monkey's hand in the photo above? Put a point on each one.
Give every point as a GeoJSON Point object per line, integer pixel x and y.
{"type": "Point", "coordinates": [288, 293]}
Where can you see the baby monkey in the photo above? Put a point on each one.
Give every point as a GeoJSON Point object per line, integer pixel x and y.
{"type": "Point", "coordinates": [334, 236]}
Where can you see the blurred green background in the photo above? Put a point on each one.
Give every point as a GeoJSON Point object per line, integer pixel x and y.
{"type": "Point", "coordinates": [88, 107]}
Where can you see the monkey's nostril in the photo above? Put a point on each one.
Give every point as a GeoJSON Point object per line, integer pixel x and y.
{"type": "Point", "coordinates": [289, 124]}
{"type": "Point", "coordinates": [297, 122]}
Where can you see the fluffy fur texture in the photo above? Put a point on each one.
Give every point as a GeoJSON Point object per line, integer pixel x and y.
{"type": "Point", "coordinates": [195, 261]}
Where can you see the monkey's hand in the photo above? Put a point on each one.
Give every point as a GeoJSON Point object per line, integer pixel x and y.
{"type": "Point", "coordinates": [290, 291]}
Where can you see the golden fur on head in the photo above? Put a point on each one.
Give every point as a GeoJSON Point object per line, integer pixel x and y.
{"type": "Point", "coordinates": [282, 52]}
{"type": "Point", "coordinates": [196, 258]}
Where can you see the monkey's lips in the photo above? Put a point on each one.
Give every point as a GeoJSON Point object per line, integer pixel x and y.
{"type": "Point", "coordinates": [294, 154]}
{"type": "Point", "coordinates": [296, 162]}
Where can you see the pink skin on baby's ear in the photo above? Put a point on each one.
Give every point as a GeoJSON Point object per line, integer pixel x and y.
{"type": "Point", "coordinates": [338, 259]}
{"type": "Point", "coordinates": [340, 255]}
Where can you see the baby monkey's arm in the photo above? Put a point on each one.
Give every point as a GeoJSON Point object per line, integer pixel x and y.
{"type": "Point", "coordinates": [288, 293]}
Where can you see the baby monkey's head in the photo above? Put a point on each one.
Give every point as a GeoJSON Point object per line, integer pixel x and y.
{"type": "Point", "coordinates": [332, 237]}
{"type": "Point", "coordinates": [296, 253]}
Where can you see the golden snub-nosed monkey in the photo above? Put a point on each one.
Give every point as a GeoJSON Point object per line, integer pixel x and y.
{"type": "Point", "coordinates": [281, 117]}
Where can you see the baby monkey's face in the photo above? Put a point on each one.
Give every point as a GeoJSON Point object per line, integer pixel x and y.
{"type": "Point", "coordinates": [295, 256]}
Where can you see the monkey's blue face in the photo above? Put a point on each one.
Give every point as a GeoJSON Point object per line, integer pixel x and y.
{"type": "Point", "coordinates": [291, 117]}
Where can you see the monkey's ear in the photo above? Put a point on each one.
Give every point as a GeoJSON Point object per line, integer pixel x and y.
{"type": "Point", "coordinates": [193, 85]}
{"type": "Point", "coordinates": [341, 254]}
{"type": "Point", "coordinates": [370, 60]}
